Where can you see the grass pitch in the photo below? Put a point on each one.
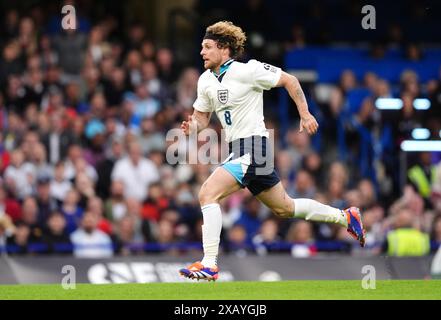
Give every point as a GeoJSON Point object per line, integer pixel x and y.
{"type": "Point", "coordinates": [280, 290]}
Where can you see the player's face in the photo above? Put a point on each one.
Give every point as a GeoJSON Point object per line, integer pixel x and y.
{"type": "Point", "coordinates": [211, 54]}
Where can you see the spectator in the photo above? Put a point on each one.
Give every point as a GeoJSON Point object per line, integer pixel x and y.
{"type": "Point", "coordinates": [95, 206]}
{"type": "Point", "coordinates": [90, 242]}
{"type": "Point", "coordinates": [150, 138]}
{"type": "Point", "coordinates": [11, 63]}
{"type": "Point", "coordinates": [8, 205]}
{"type": "Point", "coordinates": [55, 236]}
{"type": "Point", "coordinates": [115, 206]}
{"type": "Point", "coordinates": [338, 172]}
{"type": "Point", "coordinates": [312, 163]}
{"type": "Point", "coordinates": [48, 56]}
{"type": "Point", "coordinates": [128, 240]}
{"type": "Point", "coordinates": [18, 242]}
{"type": "Point", "coordinates": [298, 145]}
{"type": "Point", "coordinates": [7, 230]}
{"type": "Point", "coordinates": [168, 70]}
{"type": "Point", "coordinates": [284, 163]}
{"type": "Point", "coordinates": [148, 50]}
{"type": "Point", "coordinates": [155, 86]}
{"type": "Point", "coordinates": [90, 84]}
{"type": "Point", "coordinates": [237, 241]}
{"type": "Point", "coordinates": [58, 140]}
{"type": "Point", "coordinates": [34, 87]}
{"type": "Point", "coordinates": [84, 185]}
{"type": "Point", "coordinates": [46, 203]}
{"type": "Point", "coordinates": [301, 236]}
{"type": "Point", "coordinates": [105, 167]}
{"type": "Point", "coordinates": [97, 110]}
{"type": "Point", "coordinates": [136, 36]}
{"type": "Point", "coordinates": [267, 238]}
{"type": "Point", "coordinates": [304, 185]}
{"type": "Point", "coordinates": [39, 160]}
{"type": "Point", "coordinates": [29, 215]}
{"type": "Point", "coordinates": [405, 240]}
{"type": "Point", "coordinates": [94, 153]}
{"type": "Point", "coordinates": [348, 81]}
{"type": "Point", "coordinates": [144, 106]}
{"type": "Point", "coordinates": [115, 87]}
{"type": "Point", "coordinates": [155, 203]}
{"type": "Point", "coordinates": [133, 64]}
{"type": "Point", "coordinates": [368, 194]}
{"type": "Point", "coordinates": [70, 46]}
{"type": "Point", "coordinates": [75, 164]}
{"type": "Point", "coordinates": [20, 175]}
{"type": "Point", "coordinates": [72, 212]}
{"type": "Point", "coordinates": [186, 88]}
{"type": "Point", "coordinates": [249, 217]}
{"type": "Point", "coordinates": [336, 194]}
{"type": "Point", "coordinates": [422, 175]}
{"type": "Point", "coordinates": [59, 186]}
{"type": "Point", "coordinates": [98, 48]}
{"type": "Point", "coordinates": [14, 131]}
{"type": "Point", "coordinates": [10, 24]}
{"type": "Point", "coordinates": [166, 236]}
{"type": "Point", "coordinates": [135, 172]}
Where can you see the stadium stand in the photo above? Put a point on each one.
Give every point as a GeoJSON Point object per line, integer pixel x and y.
{"type": "Point", "coordinates": [77, 107]}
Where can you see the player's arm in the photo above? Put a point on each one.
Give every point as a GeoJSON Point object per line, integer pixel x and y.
{"type": "Point", "coordinates": [196, 122]}
{"type": "Point", "coordinates": [292, 85]}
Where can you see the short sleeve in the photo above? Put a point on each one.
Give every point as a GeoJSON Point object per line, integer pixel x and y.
{"type": "Point", "coordinates": [265, 76]}
{"type": "Point", "coordinates": [202, 102]}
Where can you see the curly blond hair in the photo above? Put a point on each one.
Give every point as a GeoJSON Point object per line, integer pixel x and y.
{"type": "Point", "coordinates": [227, 35]}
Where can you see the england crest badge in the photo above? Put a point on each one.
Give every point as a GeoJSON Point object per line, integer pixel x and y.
{"type": "Point", "coordinates": [222, 96]}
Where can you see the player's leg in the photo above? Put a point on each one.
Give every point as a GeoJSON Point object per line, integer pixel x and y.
{"type": "Point", "coordinates": [284, 206]}
{"type": "Point", "coordinates": [219, 185]}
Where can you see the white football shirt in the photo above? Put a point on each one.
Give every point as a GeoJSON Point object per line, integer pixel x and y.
{"type": "Point", "coordinates": [237, 99]}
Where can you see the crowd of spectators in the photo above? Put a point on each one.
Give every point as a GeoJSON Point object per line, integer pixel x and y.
{"type": "Point", "coordinates": [83, 119]}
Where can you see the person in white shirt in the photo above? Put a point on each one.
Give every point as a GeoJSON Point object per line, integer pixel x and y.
{"type": "Point", "coordinates": [20, 176]}
{"type": "Point", "coordinates": [90, 242]}
{"type": "Point", "coordinates": [59, 186]}
{"type": "Point", "coordinates": [234, 91]}
{"type": "Point", "coordinates": [135, 172]}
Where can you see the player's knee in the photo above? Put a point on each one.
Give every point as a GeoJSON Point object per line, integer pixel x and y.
{"type": "Point", "coordinates": [206, 196]}
{"type": "Point", "coordinates": [284, 211]}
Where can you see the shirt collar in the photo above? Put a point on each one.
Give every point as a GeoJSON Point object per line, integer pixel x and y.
{"type": "Point", "coordinates": [224, 67]}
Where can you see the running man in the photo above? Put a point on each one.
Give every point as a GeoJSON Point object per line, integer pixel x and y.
{"type": "Point", "coordinates": [234, 90]}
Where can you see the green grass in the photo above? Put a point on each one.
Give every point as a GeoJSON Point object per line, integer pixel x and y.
{"type": "Point", "coordinates": [283, 290]}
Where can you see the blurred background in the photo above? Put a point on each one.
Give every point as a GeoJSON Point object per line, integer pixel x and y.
{"type": "Point", "coordinates": [84, 114]}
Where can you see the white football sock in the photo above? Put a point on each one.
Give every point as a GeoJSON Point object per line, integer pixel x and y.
{"type": "Point", "coordinates": [309, 209]}
{"type": "Point", "coordinates": [211, 230]}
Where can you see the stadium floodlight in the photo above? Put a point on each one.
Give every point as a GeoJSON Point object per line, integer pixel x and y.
{"type": "Point", "coordinates": [389, 104]}
{"type": "Point", "coordinates": [421, 104]}
{"type": "Point", "coordinates": [420, 145]}
{"type": "Point", "coordinates": [420, 134]}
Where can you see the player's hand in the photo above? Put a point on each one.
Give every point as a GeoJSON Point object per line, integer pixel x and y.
{"type": "Point", "coordinates": [189, 126]}
{"type": "Point", "coordinates": [308, 123]}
